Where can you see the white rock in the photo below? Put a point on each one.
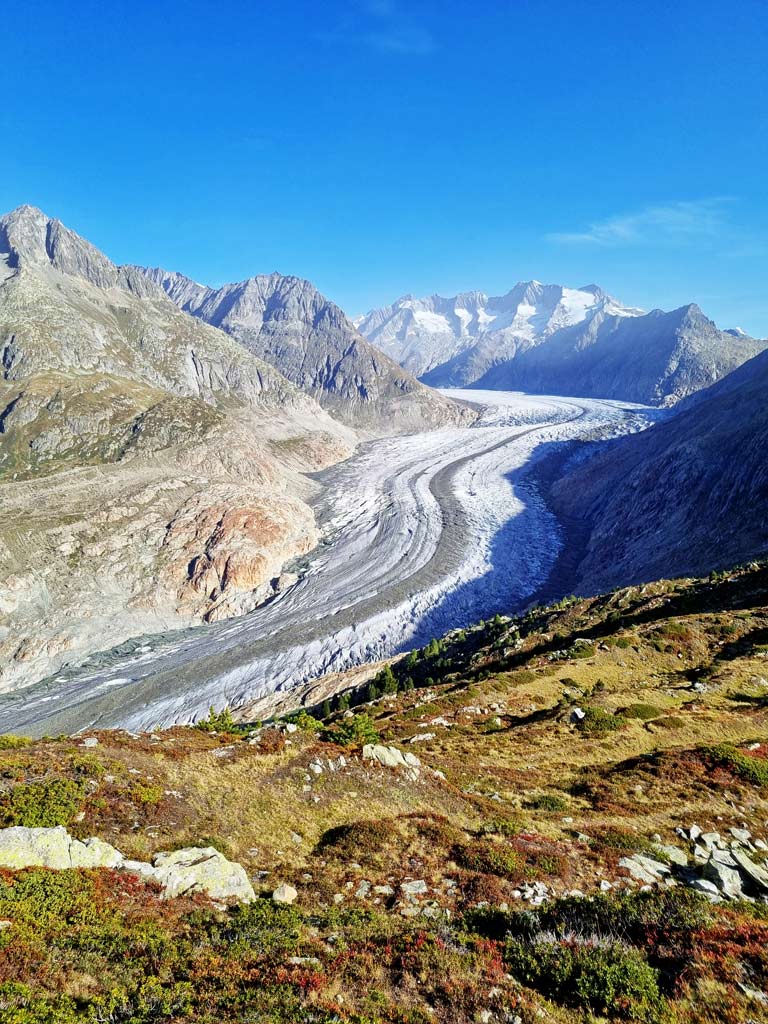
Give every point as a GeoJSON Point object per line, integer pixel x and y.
{"type": "Point", "coordinates": [202, 869]}
{"type": "Point", "coordinates": [286, 894]}
{"type": "Point", "coordinates": [94, 853]}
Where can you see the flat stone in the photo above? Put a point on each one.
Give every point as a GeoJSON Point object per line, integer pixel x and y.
{"type": "Point", "coordinates": [754, 872]}
{"type": "Point", "coordinates": [673, 853]}
{"type": "Point", "coordinates": [416, 888]}
{"type": "Point", "coordinates": [202, 869]}
{"type": "Point", "coordinates": [644, 866]}
{"type": "Point", "coordinates": [741, 835]}
{"type": "Point", "coordinates": [724, 857]}
{"type": "Point", "coordinates": [286, 894]}
{"type": "Point", "coordinates": [708, 888]}
{"type": "Point", "coordinates": [727, 880]}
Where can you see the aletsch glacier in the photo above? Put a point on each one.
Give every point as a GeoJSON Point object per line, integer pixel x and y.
{"type": "Point", "coordinates": [421, 533]}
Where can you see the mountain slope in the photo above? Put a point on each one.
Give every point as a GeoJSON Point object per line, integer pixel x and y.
{"type": "Point", "coordinates": [289, 324]}
{"type": "Point", "coordinates": [150, 465]}
{"type": "Point", "coordinates": [687, 496]}
{"type": "Point", "coordinates": [499, 860]}
{"type": "Point", "coordinates": [547, 338]}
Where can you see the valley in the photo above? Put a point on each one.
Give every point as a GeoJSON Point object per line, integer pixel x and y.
{"type": "Point", "coordinates": [419, 534]}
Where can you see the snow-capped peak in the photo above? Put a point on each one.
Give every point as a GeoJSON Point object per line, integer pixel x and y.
{"type": "Point", "coordinates": [421, 333]}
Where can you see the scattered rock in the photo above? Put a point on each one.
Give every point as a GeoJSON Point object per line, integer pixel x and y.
{"type": "Point", "coordinates": [644, 869]}
{"type": "Point", "coordinates": [727, 879]}
{"type": "Point", "coordinates": [415, 888]}
{"type": "Point", "coordinates": [708, 888]}
{"type": "Point", "coordinates": [756, 874]}
{"type": "Point", "coordinates": [202, 869]}
{"type": "Point", "coordinates": [741, 835]}
{"type": "Point", "coordinates": [286, 894]}
{"type": "Point", "coordinates": [673, 853]}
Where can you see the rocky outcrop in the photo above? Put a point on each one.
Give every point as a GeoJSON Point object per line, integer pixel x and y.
{"type": "Point", "coordinates": [53, 848]}
{"type": "Point", "coordinates": [393, 757]}
{"type": "Point", "coordinates": [287, 322]}
{"type": "Point", "coordinates": [202, 869]}
{"type": "Point", "coordinates": [180, 872]}
{"type": "Point", "coordinates": [716, 865]}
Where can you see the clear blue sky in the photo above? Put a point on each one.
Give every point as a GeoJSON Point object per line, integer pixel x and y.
{"type": "Point", "coordinates": [385, 146]}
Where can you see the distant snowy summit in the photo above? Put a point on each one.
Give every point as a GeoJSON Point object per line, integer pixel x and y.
{"type": "Point", "coordinates": [551, 338]}
{"type": "Point", "coordinates": [422, 334]}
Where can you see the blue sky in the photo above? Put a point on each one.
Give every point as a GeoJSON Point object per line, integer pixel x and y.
{"type": "Point", "coordinates": [385, 146]}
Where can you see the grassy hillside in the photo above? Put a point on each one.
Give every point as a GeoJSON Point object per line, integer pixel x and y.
{"type": "Point", "coordinates": [483, 884]}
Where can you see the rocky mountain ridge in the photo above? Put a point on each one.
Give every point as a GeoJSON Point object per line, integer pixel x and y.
{"type": "Point", "coordinates": [287, 322]}
{"type": "Point", "coordinates": [152, 468]}
{"type": "Point", "coordinates": [553, 339]}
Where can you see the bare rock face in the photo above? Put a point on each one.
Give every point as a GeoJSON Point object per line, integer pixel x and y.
{"type": "Point", "coordinates": [231, 554]}
{"type": "Point", "coordinates": [152, 468]}
{"type": "Point", "coordinates": [286, 322]}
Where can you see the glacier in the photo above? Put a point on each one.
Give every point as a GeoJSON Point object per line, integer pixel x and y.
{"type": "Point", "coordinates": [420, 534]}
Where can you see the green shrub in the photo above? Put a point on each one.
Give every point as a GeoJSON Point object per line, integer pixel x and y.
{"type": "Point", "coordinates": [306, 722]}
{"type": "Point", "coordinates": [217, 721]}
{"type": "Point", "coordinates": [20, 1005]}
{"type": "Point", "coordinates": [605, 979]}
{"type": "Point", "coordinates": [359, 841]}
{"type": "Point", "coordinates": [645, 712]}
{"type": "Point", "coordinates": [620, 839]}
{"type": "Point", "coordinates": [750, 769]}
{"type": "Point", "coordinates": [547, 802]}
{"type": "Point", "coordinates": [670, 722]}
{"type": "Point", "coordinates": [504, 826]}
{"type": "Point", "coordinates": [11, 742]}
{"type": "Point", "coordinates": [263, 925]}
{"type": "Point", "coordinates": [520, 676]}
{"type": "Point", "coordinates": [146, 793]}
{"type": "Point", "coordinates": [354, 731]}
{"type": "Point", "coordinates": [42, 804]}
{"type": "Point", "coordinates": [49, 899]}
{"type": "Point", "coordinates": [489, 858]}
{"type": "Point", "coordinates": [598, 722]}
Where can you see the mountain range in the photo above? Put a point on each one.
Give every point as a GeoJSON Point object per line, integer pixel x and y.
{"type": "Point", "coordinates": [558, 340]}
{"type": "Point", "coordinates": [153, 466]}
{"type": "Point", "coordinates": [158, 437]}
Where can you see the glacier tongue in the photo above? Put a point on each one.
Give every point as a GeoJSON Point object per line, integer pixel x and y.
{"type": "Point", "coordinates": [421, 534]}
